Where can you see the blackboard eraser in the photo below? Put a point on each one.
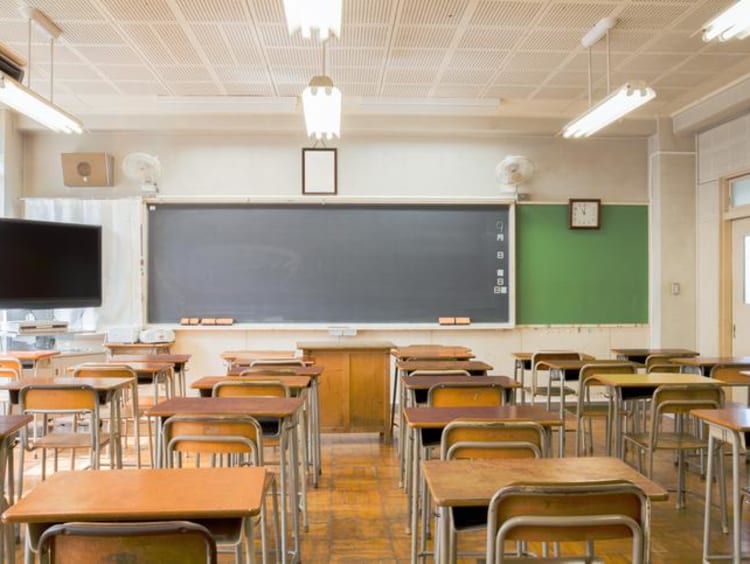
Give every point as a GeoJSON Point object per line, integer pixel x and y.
{"type": "Point", "coordinates": [195, 321]}
{"type": "Point", "coordinates": [463, 321]}
{"type": "Point", "coordinates": [208, 321]}
{"type": "Point", "coordinates": [447, 320]}
{"type": "Point", "coordinates": [185, 321]}
{"type": "Point", "coordinates": [225, 321]}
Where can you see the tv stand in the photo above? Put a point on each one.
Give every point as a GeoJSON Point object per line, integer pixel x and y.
{"type": "Point", "coordinates": [35, 327]}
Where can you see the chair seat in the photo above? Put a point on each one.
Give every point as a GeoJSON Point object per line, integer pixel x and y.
{"type": "Point", "coordinates": [542, 391]}
{"type": "Point", "coordinates": [68, 440]}
{"type": "Point", "coordinates": [672, 441]}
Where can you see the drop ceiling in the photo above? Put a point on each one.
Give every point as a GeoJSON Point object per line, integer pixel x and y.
{"type": "Point", "coordinates": [507, 59]}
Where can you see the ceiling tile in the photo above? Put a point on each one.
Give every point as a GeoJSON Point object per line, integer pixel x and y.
{"type": "Point", "coordinates": [212, 10]}
{"type": "Point", "coordinates": [310, 57]}
{"type": "Point", "coordinates": [553, 40]}
{"type": "Point", "coordinates": [580, 15]}
{"type": "Point", "coordinates": [248, 89]}
{"type": "Point", "coordinates": [355, 57]}
{"type": "Point", "coordinates": [458, 91]}
{"type": "Point", "coordinates": [535, 60]}
{"type": "Point", "coordinates": [677, 42]}
{"type": "Point", "coordinates": [559, 93]}
{"type": "Point", "coordinates": [416, 58]}
{"type": "Point", "coordinates": [489, 38]}
{"type": "Point", "coordinates": [363, 36]}
{"type": "Point", "coordinates": [89, 33]}
{"type": "Point", "coordinates": [680, 79]}
{"type": "Point", "coordinates": [649, 15]}
{"type": "Point", "coordinates": [239, 37]}
{"type": "Point", "coordinates": [531, 78]}
{"type": "Point", "coordinates": [177, 42]}
{"type": "Point", "coordinates": [268, 11]}
{"type": "Point", "coordinates": [506, 14]}
{"type": "Point", "coordinates": [406, 91]}
{"type": "Point", "coordinates": [135, 11]}
{"type": "Point", "coordinates": [650, 62]}
{"type": "Point", "coordinates": [351, 89]}
{"type": "Point", "coordinates": [194, 89]}
{"type": "Point", "coordinates": [241, 74]}
{"type": "Point", "coordinates": [508, 91]}
{"type": "Point", "coordinates": [116, 55]}
{"type": "Point", "coordinates": [142, 88]}
{"type": "Point", "coordinates": [88, 86]}
{"type": "Point", "coordinates": [477, 58]}
{"type": "Point", "coordinates": [424, 36]}
{"type": "Point", "coordinates": [409, 76]}
{"type": "Point", "coordinates": [357, 75]}
{"type": "Point", "coordinates": [65, 10]}
{"type": "Point", "coordinates": [435, 12]}
{"type": "Point", "coordinates": [358, 12]}
{"type": "Point", "coordinates": [183, 73]}
{"type": "Point", "coordinates": [695, 20]}
{"type": "Point", "coordinates": [466, 76]}
{"type": "Point", "coordinates": [710, 62]}
{"type": "Point", "coordinates": [211, 40]}
{"type": "Point", "coordinates": [126, 72]}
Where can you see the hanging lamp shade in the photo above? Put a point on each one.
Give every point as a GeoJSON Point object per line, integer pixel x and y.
{"type": "Point", "coordinates": [321, 103]}
{"type": "Point", "coordinates": [308, 15]}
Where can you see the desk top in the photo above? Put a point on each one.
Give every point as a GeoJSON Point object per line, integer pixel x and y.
{"type": "Point", "coordinates": [455, 483]}
{"type": "Point", "coordinates": [144, 367]}
{"type": "Point", "coordinates": [437, 417]}
{"type": "Point", "coordinates": [142, 495]}
{"type": "Point", "coordinates": [99, 384]}
{"type": "Point", "coordinates": [653, 379]}
{"type": "Point", "coordinates": [432, 352]}
{"type": "Point", "coordinates": [9, 424]}
{"type": "Point", "coordinates": [31, 355]}
{"type": "Point", "coordinates": [257, 355]}
{"type": "Point", "coordinates": [446, 364]}
{"type": "Point", "coordinates": [426, 382]}
{"type": "Point", "coordinates": [170, 358]}
{"type": "Point", "coordinates": [291, 381]}
{"type": "Point", "coordinates": [703, 361]}
{"type": "Point", "coordinates": [312, 371]}
{"type": "Point", "coordinates": [650, 352]}
{"type": "Point", "coordinates": [343, 345]}
{"type": "Point", "coordinates": [256, 407]}
{"type": "Point", "coordinates": [734, 418]}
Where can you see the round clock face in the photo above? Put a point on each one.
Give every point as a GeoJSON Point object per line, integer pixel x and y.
{"type": "Point", "coordinates": [584, 214]}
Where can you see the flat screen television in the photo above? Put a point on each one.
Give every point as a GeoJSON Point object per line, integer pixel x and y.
{"type": "Point", "coordinates": [49, 265]}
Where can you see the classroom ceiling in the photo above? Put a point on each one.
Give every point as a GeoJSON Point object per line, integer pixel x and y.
{"type": "Point", "coordinates": [520, 58]}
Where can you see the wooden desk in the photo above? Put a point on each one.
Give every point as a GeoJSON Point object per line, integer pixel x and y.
{"type": "Point", "coordinates": [420, 419]}
{"type": "Point", "coordinates": [472, 483]}
{"type": "Point", "coordinates": [653, 380]}
{"type": "Point", "coordinates": [208, 495]}
{"type": "Point", "coordinates": [9, 427]}
{"type": "Point", "coordinates": [152, 373]}
{"type": "Point", "coordinates": [312, 371]}
{"type": "Point", "coordinates": [178, 361]}
{"type": "Point", "coordinates": [35, 358]}
{"type": "Point", "coordinates": [414, 383]}
{"type": "Point", "coordinates": [522, 362]}
{"type": "Point", "coordinates": [109, 390]}
{"type": "Point", "coordinates": [474, 367]}
{"type": "Point", "coordinates": [704, 364]}
{"type": "Point", "coordinates": [640, 355]}
{"type": "Point", "coordinates": [139, 348]}
{"type": "Point", "coordinates": [285, 410]}
{"type": "Point", "coordinates": [354, 393]}
{"type": "Point", "coordinates": [250, 355]}
{"type": "Point", "coordinates": [727, 425]}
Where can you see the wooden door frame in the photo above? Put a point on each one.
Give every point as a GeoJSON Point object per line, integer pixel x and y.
{"type": "Point", "coordinates": [728, 215]}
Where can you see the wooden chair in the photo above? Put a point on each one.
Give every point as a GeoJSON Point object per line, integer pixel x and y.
{"type": "Point", "coordinates": [129, 403]}
{"type": "Point", "coordinates": [672, 403]}
{"type": "Point", "coordinates": [549, 390]}
{"type": "Point", "coordinates": [661, 363]}
{"type": "Point", "coordinates": [586, 410]}
{"type": "Point", "coordinates": [230, 441]}
{"type": "Point", "coordinates": [271, 362]}
{"type": "Point", "coordinates": [58, 401]}
{"type": "Point", "coordinates": [568, 512]}
{"type": "Point", "coordinates": [161, 541]}
{"type": "Point", "coordinates": [12, 363]}
{"type": "Point", "coordinates": [462, 440]}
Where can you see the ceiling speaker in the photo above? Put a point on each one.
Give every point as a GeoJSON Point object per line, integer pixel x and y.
{"type": "Point", "coordinates": [87, 169]}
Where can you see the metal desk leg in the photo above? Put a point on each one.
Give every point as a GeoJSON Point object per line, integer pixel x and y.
{"type": "Point", "coordinates": [414, 506]}
{"type": "Point", "coordinates": [393, 403]}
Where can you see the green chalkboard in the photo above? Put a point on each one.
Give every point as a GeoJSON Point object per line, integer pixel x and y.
{"type": "Point", "coordinates": [568, 276]}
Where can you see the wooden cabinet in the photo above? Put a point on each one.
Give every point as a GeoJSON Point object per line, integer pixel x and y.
{"type": "Point", "coordinates": [354, 386]}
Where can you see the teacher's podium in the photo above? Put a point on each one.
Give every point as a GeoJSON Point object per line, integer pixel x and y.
{"type": "Point", "coordinates": [354, 385]}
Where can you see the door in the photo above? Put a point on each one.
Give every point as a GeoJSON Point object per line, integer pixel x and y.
{"type": "Point", "coordinates": [741, 287]}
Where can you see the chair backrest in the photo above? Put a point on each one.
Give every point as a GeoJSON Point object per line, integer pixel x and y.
{"type": "Point", "coordinates": [214, 434]}
{"type": "Point", "coordinates": [439, 373]}
{"type": "Point", "coordinates": [257, 388]}
{"type": "Point", "coordinates": [276, 362]}
{"type": "Point", "coordinates": [58, 399]}
{"type": "Point", "coordinates": [730, 374]}
{"type": "Point", "coordinates": [465, 395]}
{"type": "Point", "coordinates": [12, 363]}
{"type": "Point", "coordinates": [96, 370]}
{"type": "Point", "coordinates": [681, 398]}
{"type": "Point", "coordinates": [8, 374]}
{"type": "Point", "coordinates": [586, 377]}
{"type": "Point", "coordinates": [492, 439]}
{"type": "Point", "coordinates": [553, 355]}
{"type": "Point", "coordinates": [163, 541]}
{"type": "Point", "coordinates": [663, 362]}
{"type": "Point", "coordinates": [568, 512]}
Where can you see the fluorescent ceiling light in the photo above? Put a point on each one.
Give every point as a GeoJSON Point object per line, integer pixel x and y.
{"type": "Point", "coordinates": [594, 35]}
{"type": "Point", "coordinates": [30, 104]}
{"type": "Point", "coordinates": [732, 23]}
{"type": "Point", "coordinates": [615, 106]}
{"type": "Point", "coordinates": [306, 15]}
{"type": "Point", "coordinates": [321, 102]}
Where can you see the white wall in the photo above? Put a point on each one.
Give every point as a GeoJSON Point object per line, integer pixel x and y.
{"type": "Point", "coordinates": [416, 167]}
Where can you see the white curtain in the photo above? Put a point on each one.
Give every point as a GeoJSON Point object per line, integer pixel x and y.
{"type": "Point", "coordinates": [121, 256]}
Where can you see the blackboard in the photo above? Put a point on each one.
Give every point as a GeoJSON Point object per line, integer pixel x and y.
{"type": "Point", "coordinates": [333, 263]}
{"type": "Point", "coordinates": [581, 276]}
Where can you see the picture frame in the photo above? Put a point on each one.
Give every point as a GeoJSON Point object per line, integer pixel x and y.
{"type": "Point", "coordinates": [319, 171]}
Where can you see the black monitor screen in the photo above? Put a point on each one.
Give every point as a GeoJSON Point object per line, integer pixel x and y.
{"type": "Point", "coordinates": [49, 265]}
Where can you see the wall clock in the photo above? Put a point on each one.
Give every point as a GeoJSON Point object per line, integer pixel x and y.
{"type": "Point", "coordinates": [585, 213]}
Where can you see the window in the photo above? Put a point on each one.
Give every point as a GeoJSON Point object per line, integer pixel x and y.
{"type": "Point", "coordinates": [739, 190]}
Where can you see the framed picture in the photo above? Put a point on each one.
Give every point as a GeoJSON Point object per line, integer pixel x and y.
{"type": "Point", "coordinates": [319, 171]}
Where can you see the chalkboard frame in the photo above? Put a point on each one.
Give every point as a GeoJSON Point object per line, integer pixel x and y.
{"type": "Point", "coordinates": [510, 205]}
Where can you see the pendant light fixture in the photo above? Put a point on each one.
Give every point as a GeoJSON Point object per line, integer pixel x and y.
{"type": "Point", "coordinates": [321, 103]}
{"type": "Point", "coordinates": [308, 15]}
{"type": "Point", "coordinates": [616, 104]}
{"type": "Point", "coordinates": [732, 23]}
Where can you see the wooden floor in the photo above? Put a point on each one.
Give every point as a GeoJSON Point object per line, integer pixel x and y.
{"type": "Point", "coordinates": [358, 513]}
